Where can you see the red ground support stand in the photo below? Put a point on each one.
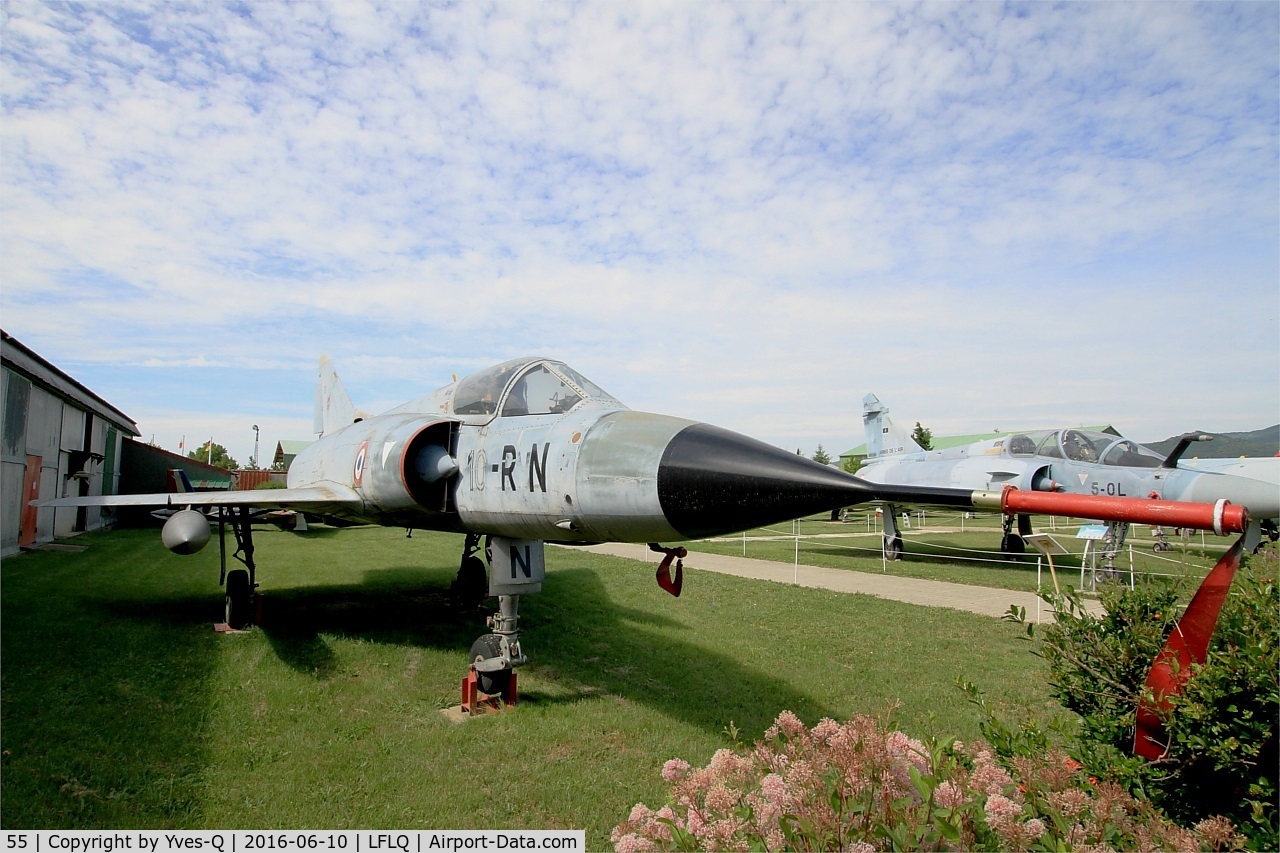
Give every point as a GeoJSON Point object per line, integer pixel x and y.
{"type": "Point", "coordinates": [475, 702]}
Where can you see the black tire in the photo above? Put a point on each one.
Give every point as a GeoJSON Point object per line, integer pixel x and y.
{"type": "Point", "coordinates": [471, 586]}
{"type": "Point", "coordinates": [1012, 545]}
{"type": "Point", "coordinates": [239, 599]}
{"type": "Point", "coordinates": [496, 682]}
{"type": "Point", "coordinates": [892, 548]}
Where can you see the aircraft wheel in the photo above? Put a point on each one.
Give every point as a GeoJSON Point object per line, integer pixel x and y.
{"type": "Point", "coordinates": [471, 586]}
{"type": "Point", "coordinates": [497, 681]}
{"type": "Point", "coordinates": [1012, 545]}
{"type": "Point", "coordinates": [893, 549]}
{"type": "Point", "coordinates": [239, 599]}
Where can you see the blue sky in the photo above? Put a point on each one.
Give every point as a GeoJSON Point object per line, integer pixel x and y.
{"type": "Point", "coordinates": [991, 216]}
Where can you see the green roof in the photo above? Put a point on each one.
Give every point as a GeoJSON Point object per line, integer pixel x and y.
{"type": "Point", "coordinates": [287, 451]}
{"type": "Point", "coordinates": [292, 448]}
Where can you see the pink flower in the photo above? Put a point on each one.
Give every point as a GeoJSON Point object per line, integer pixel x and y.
{"type": "Point", "coordinates": [801, 774]}
{"type": "Point", "coordinates": [1034, 828]}
{"type": "Point", "coordinates": [765, 812]}
{"type": "Point", "coordinates": [788, 724]}
{"type": "Point", "coordinates": [902, 746]}
{"type": "Point", "coordinates": [1070, 803]}
{"type": "Point", "coordinates": [632, 843]}
{"type": "Point", "coordinates": [1218, 832]}
{"type": "Point", "coordinates": [825, 730]}
{"type": "Point", "coordinates": [949, 795]}
{"type": "Point", "coordinates": [726, 764]}
{"type": "Point", "coordinates": [988, 777]}
{"type": "Point", "coordinates": [1000, 809]}
{"type": "Point", "coordinates": [640, 813]}
{"type": "Point", "coordinates": [674, 770]}
{"type": "Point", "coordinates": [774, 788]}
{"type": "Point", "coordinates": [657, 828]}
{"type": "Point", "coordinates": [725, 830]}
{"type": "Point", "coordinates": [721, 798]}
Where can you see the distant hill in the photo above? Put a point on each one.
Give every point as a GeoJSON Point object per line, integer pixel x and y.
{"type": "Point", "coordinates": [1227, 445]}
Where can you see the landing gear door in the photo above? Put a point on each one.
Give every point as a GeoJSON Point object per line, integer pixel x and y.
{"type": "Point", "coordinates": [517, 566]}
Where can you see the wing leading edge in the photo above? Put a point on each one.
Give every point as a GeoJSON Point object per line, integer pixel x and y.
{"type": "Point", "coordinates": [313, 498]}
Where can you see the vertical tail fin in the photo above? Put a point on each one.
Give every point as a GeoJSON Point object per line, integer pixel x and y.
{"type": "Point", "coordinates": [333, 407]}
{"type": "Point", "coordinates": [883, 437]}
{"type": "Point", "coordinates": [178, 481]}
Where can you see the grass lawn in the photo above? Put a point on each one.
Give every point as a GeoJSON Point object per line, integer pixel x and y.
{"type": "Point", "coordinates": [122, 708]}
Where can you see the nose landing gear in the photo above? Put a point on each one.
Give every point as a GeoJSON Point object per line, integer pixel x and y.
{"type": "Point", "coordinates": [494, 658]}
{"type": "Point", "coordinates": [517, 567]}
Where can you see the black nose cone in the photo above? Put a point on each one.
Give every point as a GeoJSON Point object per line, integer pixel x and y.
{"type": "Point", "coordinates": [712, 481]}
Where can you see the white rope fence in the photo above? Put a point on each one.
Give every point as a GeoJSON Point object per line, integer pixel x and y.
{"type": "Point", "coordinates": [992, 558]}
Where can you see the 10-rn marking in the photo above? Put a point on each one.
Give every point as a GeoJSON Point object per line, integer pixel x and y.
{"type": "Point", "coordinates": [478, 462]}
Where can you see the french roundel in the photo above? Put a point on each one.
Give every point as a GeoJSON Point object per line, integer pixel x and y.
{"type": "Point", "coordinates": [360, 457]}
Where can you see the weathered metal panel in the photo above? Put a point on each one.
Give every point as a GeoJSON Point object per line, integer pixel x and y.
{"type": "Point", "coordinates": [144, 469]}
{"type": "Point", "coordinates": [44, 428]}
{"type": "Point", "coordinates": [15, 399]}
{"type": "Point", "coordinates": [61, 522]}
{"type": "Point", "coordinates": [253, 479]}
{"type": "Point", "coordinates": [11, 476]}
{"type": "Point", "coordinates": [27, 363]}
{"type": "Point", "coordinates": [72, 428]}
{"type": "Point", "coordinates": [111, 452]}
{"type": "Point", "coordinates": [97, 482]}
{"type": "Point", "coordinates": [17, 402]}
{"type": "Point", "coordinates": [43, 414]}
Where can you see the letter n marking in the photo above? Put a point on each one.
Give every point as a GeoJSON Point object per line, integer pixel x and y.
{"type": "Point", "coordinates": [525, 563]}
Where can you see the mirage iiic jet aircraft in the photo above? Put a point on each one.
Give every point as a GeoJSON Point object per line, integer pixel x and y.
{"type": "Point", "coordinates": [530, 451]}
{"type": "Point", "coordinates": [1070, 461]}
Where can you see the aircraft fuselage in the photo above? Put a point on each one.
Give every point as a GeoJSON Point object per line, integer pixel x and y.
{"type": "Point", "coordinates": [1072, 461]}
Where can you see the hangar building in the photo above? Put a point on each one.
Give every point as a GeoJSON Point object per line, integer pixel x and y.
{"type": "Point", "coordinates": [58, 438]}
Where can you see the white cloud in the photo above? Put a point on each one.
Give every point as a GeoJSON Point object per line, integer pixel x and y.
{"type": "Point", "coordinates": [821, 197]}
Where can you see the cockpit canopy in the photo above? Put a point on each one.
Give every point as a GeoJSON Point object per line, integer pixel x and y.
{"type": "Point", "coordinates": [1081, 445]}
{"type": "Point", "coordinates": [525, 386]}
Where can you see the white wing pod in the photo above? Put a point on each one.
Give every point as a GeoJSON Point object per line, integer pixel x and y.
{"type": "Point", "coordinates": [186, 532]}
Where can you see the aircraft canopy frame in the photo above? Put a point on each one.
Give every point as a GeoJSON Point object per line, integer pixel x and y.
{"type": "Point", "coordinates": [1082, 445]}
{"type": "Point", "coordinates": [525, 386]}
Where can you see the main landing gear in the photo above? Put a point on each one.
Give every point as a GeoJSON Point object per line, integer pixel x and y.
{"type": "Point", "coordinates": [470, 588]}
{"type": "Point", "coordinates": [240, 584]}
{"type": "Point", "coordinates": [1012, 544]}
{"type": "Point", "coordinates": [891, 546]}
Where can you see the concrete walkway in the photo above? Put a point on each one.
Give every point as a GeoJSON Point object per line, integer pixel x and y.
{"type": "Point", "coordinates": [974, 599]}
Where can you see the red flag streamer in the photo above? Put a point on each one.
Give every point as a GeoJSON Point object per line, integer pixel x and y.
{"type": "Point", "coordinates": [1187, 645]}
{"type": "Point", "coordinates": [664, 569]}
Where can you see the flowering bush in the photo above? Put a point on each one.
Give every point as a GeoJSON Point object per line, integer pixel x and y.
{"type": "Point", "coordinates": [1223, 756]}
{"type": "Point", "coordinates": [860, 787]}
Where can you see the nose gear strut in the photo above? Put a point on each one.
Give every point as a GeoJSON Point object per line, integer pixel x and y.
{"type": "Point", "coordinates": [664, 570]}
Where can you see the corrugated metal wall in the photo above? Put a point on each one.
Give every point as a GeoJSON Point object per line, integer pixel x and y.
{"type": "Point", "coordinates": [252, 479]}
{"type": "Point", "coordinates": [36, 423]}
